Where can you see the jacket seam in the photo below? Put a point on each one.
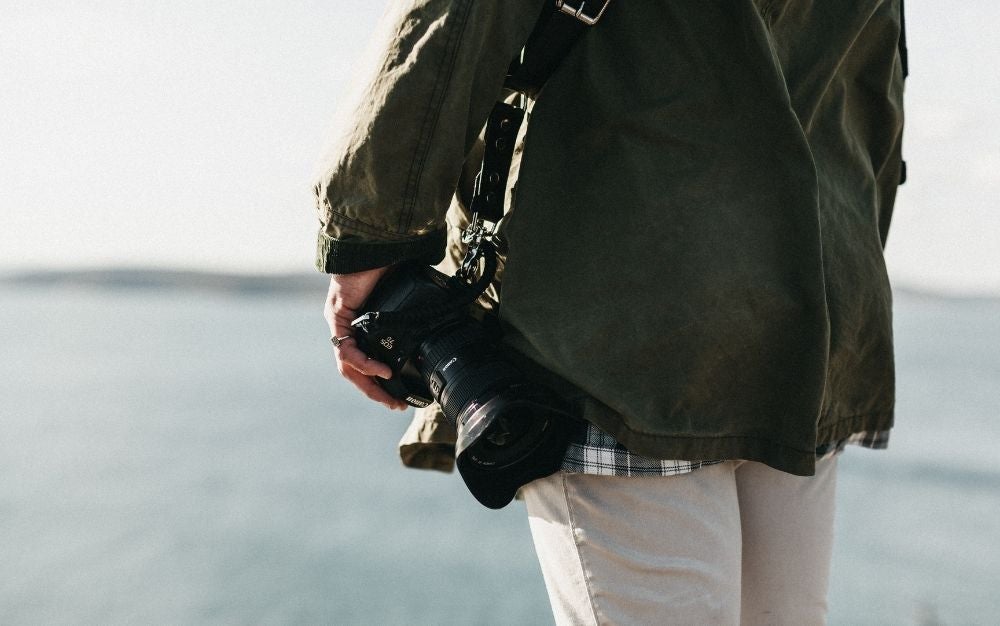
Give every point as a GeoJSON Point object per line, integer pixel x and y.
{"type": "Point", "coordinates": [717, 437]}
{"type": "Point", "coordinates": [830, 426]}
{"type": "Point", "coordinates": [856, 416]}
{"type": "Point", "coordinates": [431, 117]}
{"type": "Point", "coordinates": [369, 229]}
{"type": "Point", "coordinates": [833, 426]}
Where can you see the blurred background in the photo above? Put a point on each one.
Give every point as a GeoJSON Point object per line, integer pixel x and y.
{"type": "Point", "coordinates": [175, 445]}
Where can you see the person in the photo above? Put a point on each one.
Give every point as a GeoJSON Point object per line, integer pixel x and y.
{"type": "Point", "coordinates": [694, 260]}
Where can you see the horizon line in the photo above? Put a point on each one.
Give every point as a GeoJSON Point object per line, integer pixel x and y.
{"type": "Point", "coordinates": [179, 276]}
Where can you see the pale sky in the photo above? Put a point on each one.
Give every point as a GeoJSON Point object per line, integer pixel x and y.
{"type": "Point", "coordinates": [187, 134]}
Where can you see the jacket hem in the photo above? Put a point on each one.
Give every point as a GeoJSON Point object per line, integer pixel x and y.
{"type": "Point", "coordinates": [777, 454]}
{"type": "Point", "coordinates": [429, 441]}
{"type": "Point", "coordinates": [838, 428]}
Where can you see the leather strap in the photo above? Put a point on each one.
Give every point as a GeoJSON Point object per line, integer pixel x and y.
{"type": "Point", "coordinates": [554, 34]}
{"type": "Point", "coordinates": [491, 182]}
{"type": "Point", "coordinates": [559, 26]}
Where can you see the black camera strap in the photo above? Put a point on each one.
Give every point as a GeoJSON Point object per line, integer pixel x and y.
{"type": "Point", "coordinates": [559, 27]}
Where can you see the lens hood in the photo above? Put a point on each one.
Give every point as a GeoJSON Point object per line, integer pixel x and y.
{"type": "Point", "coordinates": [514, 438]}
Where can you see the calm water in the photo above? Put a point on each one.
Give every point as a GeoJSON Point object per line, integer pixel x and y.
{"type": "Point", "coordinates": [174, 457]}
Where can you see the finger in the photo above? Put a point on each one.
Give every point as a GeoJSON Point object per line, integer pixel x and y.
{"type": "Point", "coordinates": [340, 321]}
{"type": "Point", "coordinates": [369, 387]}
{"type": "Point", "coordinates": [351, 355]}
{"type": "Point", "coordinates": [337, 314]}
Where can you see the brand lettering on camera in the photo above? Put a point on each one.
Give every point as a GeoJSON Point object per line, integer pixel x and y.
{"type": "Point", "coordinates": [387, 342]}
{"type": "Point", "coordinates": [416, 401]}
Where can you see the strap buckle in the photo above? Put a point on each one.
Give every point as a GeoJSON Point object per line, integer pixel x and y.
{"type": "Point", "coordinates": [479, 229]}
{"type": "Point", "coordinates": [477, 234]}
{"type": "Point", "coordinates": [587, 18]}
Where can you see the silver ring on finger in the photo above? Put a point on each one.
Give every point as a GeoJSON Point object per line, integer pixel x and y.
{"type": "Point", "coordinates": [336, 341]}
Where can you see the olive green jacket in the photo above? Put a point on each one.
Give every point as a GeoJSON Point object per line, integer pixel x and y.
{"type": "Point", "coordinates": [694, 244]}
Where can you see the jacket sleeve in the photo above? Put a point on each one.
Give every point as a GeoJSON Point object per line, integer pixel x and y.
{"type": "Point", "coordinates": [391, 173]}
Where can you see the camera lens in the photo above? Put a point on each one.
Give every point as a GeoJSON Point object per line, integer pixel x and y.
{"type": "Point", "coordinates": [510, 429]}
{"type": "Point", "coordinates": [463, 368]}
{"type": "Point", "coordinates": [500, 416]}
{"type": "Point", "coordinates": [505, 432]}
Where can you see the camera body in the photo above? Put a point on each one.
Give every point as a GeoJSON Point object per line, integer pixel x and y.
{"type": "Point", "coordinates": [510, 429]}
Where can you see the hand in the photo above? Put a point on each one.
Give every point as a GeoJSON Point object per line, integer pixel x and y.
{"type": "Point", "coordinates": [346, 295]}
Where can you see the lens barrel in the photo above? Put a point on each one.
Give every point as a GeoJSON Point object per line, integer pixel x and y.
{"type": "Point", "coordinates": [510, 430]}
{"type": "Point", "coordinates": [462, 366]}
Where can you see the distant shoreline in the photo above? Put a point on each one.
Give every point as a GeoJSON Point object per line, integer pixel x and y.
{"type": "Point", "coordinates": [129, 278]}
{"type": "Point", "coordinates": [168, 279]}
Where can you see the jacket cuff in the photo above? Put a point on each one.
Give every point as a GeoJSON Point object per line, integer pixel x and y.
{"type": "Point", "coordinates": [346, 256]}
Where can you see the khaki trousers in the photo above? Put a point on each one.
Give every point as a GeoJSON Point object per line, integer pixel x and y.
{"type": "Point", "coordinates": [733, 543]}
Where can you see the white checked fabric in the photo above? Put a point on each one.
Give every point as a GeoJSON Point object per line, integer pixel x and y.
{"type": "Point", "coordinates": [593, 451]}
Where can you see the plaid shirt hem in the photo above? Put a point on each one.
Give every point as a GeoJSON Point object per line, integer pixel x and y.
{"type": "Point", "coordinates": [593, 451]}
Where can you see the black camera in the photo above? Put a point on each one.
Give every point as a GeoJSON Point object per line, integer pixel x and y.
{"type": "Point", "coordinates": [510, 430]}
